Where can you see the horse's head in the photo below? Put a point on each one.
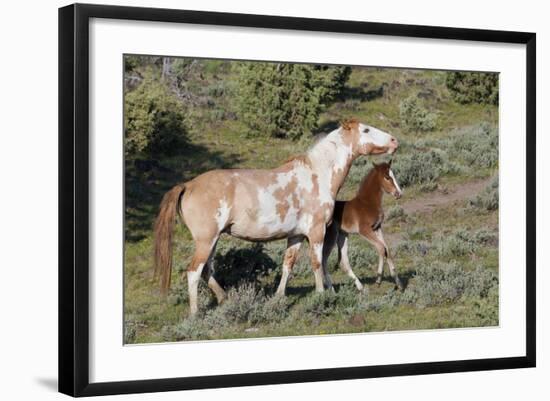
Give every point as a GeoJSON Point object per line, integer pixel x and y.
{"type": "Point", "coordinates": [388, 180]}
{"type": "Point", "coordinates": [367, 140]}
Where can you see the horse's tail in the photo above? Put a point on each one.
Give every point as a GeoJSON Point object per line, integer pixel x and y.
{"type": "Point", "coordinates": [164, 229]}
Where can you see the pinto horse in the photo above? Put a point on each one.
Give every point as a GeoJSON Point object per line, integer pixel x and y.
{"type": "Point", "coordinates": [363, 215]}
{"type": "Point", "coordinates": [293, 201]}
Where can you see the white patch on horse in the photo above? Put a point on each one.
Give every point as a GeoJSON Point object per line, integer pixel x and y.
{"type": "Point", "coordinates": [395, 183]}
{"type": "Point", "coordinates": [222, 214]}
{"type": "Point", "coordinates": [305, 177]}
{"type": "Point", "coordinates": [305, 223]}
{"type": "Point", "coordinates": [268, 218]}
{"type": "Point", "coordinates": [373, 135]}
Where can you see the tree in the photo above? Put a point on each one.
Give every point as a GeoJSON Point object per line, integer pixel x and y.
{"type": "Point", "coordinates": [285, 100]}
{"type": "Point", "coordinates": [473, 87]}
{"type": "Point", "coordinates": [154, 120]}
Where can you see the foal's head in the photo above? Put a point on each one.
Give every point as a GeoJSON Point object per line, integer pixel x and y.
{"type": "Point", "coordinates": [367, 140]}
{"type": "Point", "coordinates": [387, 179]}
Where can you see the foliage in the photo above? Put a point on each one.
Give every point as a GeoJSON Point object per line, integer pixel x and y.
{"type": "Point", "coordinates": [473, 87]}
{"type": "Point", "coordinates": [440, 283]}
{"type": "Point", "coordinates": [244, 305]}
{"type": "Point", "coordinates": [154, 120]}
{"type": "Point", "coordinates": [414, 117]}
{"type": "Point", "coordinates": [475, 147]}
{"type": "Point", "coordinates": [419, 167]}
{"type": "Point", "coordinates": [488, 198]}
{"type": "Point", "coordinates": [285, 100]}
{"type": "Point", "coordinates": [395, 212]}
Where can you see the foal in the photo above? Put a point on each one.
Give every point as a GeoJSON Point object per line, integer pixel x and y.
{"type": "Point", "coordinates": [363, 215]}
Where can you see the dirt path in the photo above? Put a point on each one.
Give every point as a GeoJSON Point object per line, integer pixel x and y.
{"type": "Point", "coordinates": [439, 198]}
{"type": "Point", "coordinates": [449, 195]}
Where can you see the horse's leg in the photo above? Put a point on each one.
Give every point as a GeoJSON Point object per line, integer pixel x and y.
{"type": "Point", "coordinates": [203, 249]}
{"type": "Point", "coordinates": [329, 241]}
{"type": "Point", "coordinates": [370, 236]}
{"type": "Point", "coordinates": [209, 277]}
{"type": "Point", "coordinates": [342, 242]}
{"type": "Point", "coordinates": [393, 272]}
{"type": "Point", "coordinates": [316, 237]}
{"type": "Point", "coordinates": [291, 254]}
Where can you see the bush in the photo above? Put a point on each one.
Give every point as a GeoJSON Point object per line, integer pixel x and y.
{"type": "Point", "coordinates": [244, 305]}
{"type": "Point", "coordinates": [439, 283]}
{"type": "Point", "coordinates": [395, 212]}
{"type": "Point", "coordinates": [475, 147]}
{"type": "Point", "coordinates": [346, 301]}
{"type": "Point", "coordinates": [415, 117]}
{"type": "Point", "coordinates": [153, 120]}
{"type": "Point", "coordinates": [473, 87]}
{"type": "Point", "coordinates": [285, 100]}
{"type": "Point", "coordinates": [418, 167]}
{"type": "Point", "coordinates": [488, 198]}
{"type": "Point", "coordinates": [459, 243]}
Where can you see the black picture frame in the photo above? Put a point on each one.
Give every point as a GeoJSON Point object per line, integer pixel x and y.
{"type": "Point", "coordinates": [74, 198]}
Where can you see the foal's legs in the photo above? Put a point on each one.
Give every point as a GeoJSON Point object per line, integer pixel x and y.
{"type": "Point", "coordinates": [393, 272]}
{"type": "Point", "coordinates": [370, 236]}
{"type": "Point", "coordinates": [291, 254]}
{"type": "Point", "coordinates": [203, 250]}
{"type": "Point", "coordinates": [342, 242]}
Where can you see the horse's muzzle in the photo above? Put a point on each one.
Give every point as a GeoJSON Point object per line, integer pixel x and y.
{"type": "Point", "coordinates": [393, 145]}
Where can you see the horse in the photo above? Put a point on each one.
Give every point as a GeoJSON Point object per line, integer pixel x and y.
{"type": "Point", "coordinates": [363, 215]}
{"type": "Point", "coordinates": [293, 201]}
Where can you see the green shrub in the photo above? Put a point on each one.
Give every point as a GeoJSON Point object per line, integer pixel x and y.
{"type": "Point", "coordinates": [475, 147]}
{"type": "Point", "coordinates": [395, 212]}
{"type": "Point", "coordinates": [346, 301]}
{"type": "Point", "coordinates": [473, 87]}
{"type": "Point", "coordinates": [285, 100]}
{"type": "Point", "coordinates": [439, 283]}
{"type": "Point", "coordinates": [456, 244]}
{"type": "Point", "coordinates": [418, 167]}
{"type": "Point", "coordinates": [243, 305]}
{"type": "Point", "coordinates": [488, 198]}
{"type": "Point", "coordinates": [362, 256]}
{"type": "Point", "coordinates": [414, 117]}
{"type": "Point", "coordinates": [154, 120]}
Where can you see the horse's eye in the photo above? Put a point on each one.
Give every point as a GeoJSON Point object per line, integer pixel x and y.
{"type": "Point", "coordinates": [366, 130]}
{"type": "Point", "coordinates": [387, 177]}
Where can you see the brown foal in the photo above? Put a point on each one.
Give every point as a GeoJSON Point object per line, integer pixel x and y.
{"type": "Point", "coordinates": [363, 215]}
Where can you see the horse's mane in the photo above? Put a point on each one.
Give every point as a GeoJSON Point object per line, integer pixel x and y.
{"type": "Point", "coordinates": [347, 125]}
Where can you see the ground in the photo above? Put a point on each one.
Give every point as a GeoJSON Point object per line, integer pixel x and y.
{"type": "Point", "coordinates": [443, 232]}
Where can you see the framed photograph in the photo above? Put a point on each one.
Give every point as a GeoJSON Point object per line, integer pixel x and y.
{"type": "Point", "coordinates": [251, 199]}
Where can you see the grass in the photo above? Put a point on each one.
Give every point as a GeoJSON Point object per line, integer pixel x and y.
{"type": "Point", "coordinates": [448, 259]}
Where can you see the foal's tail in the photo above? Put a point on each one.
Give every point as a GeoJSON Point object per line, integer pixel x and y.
{"type": "Point", "coordinates": [164, 229]}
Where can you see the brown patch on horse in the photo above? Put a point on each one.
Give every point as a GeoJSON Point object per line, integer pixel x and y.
{"type": "Point", "coordinates": [282, 194]}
